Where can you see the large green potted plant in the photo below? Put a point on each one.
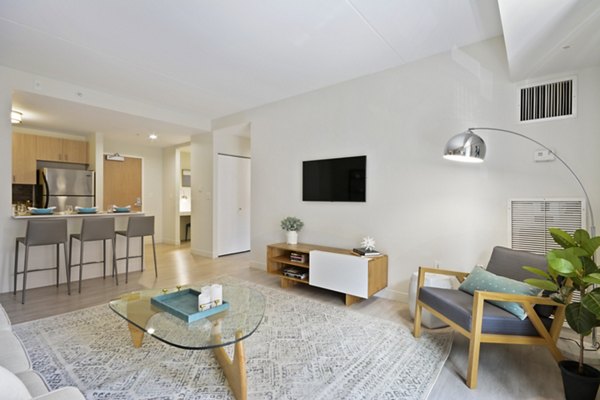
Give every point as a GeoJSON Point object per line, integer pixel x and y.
{"type": "Point", "coordinates": [572, 270]}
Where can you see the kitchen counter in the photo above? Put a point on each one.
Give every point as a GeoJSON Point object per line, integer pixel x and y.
{"type": "Point", "coordinates": [77, 215]}
{"type": "Point", "coordinates": [43, 255]}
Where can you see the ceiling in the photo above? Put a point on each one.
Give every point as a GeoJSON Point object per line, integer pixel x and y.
{"type": "Point", "coordinates": [546, 37]}
{"type": "Point", "coordinates": [215, 58]}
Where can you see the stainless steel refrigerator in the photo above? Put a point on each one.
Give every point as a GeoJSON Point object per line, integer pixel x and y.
{"type": "Point", "coordinates": [66, 187]}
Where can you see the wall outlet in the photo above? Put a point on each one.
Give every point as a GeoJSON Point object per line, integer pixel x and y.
{"type": "Point", "coordinates": [436, 264]}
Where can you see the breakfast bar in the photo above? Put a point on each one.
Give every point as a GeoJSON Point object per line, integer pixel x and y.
{"type": "Point", "coordinates": [43, 255]}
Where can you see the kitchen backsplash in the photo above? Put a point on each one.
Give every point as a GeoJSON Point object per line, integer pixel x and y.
{"type": "Point", "coordinates": [23, 193]}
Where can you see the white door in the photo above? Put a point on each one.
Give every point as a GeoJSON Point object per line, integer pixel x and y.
{"type": "Point", "coordinates": [233, 204]}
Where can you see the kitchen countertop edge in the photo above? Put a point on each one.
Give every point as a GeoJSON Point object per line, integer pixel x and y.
{"type": "Point", "coordinates": [76, 215]}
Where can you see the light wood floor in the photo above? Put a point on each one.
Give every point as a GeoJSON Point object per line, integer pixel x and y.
{"type": "Point", "coordinates": [176, 266]}
{"type": "Point", "coordinates": [505, 372]}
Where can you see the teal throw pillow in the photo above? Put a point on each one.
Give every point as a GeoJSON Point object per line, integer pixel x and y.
{"type": "Point", "coordinates": [480, 279]}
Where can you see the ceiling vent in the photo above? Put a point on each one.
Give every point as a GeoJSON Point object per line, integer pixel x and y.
{"type": "Point", "coordinates": [548, 100]}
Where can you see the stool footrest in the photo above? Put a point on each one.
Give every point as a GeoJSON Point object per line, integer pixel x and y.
{"type": "Point", "coordinates": [36, 270]}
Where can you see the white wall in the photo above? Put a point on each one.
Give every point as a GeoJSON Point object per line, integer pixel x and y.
{"type": "Point", "coordinates": [170, 196]}
{"type": "Point", "coordinates": [420, 208]}
{"type": "Point", "coordinates": [184, 160]}
{"type": "Point", "coordinates": [202, 195]}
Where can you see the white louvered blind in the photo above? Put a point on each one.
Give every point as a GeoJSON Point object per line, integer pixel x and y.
{"type": "Point", "coordinates": [530, 219]}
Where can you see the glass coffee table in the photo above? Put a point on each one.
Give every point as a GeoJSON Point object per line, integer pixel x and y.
{"type": "Point", "coordinates": [245, 313]}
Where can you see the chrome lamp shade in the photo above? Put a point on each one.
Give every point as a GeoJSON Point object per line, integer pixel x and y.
{"type": "Point", "coordinates": [465, 147]}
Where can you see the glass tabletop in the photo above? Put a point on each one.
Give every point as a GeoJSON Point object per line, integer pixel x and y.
{"type": "Point", "coordinates": [240, 320]}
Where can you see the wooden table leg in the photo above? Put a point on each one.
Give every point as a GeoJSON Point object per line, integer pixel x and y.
{"type": "Point", "coordinates": [234, 370]}
{"type": "Point", "coordinates": [352, 299]}
{"type": "Point", "coordinates": [137, 335]}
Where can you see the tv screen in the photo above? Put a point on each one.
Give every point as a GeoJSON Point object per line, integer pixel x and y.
{"type": "Point", "coordinates": [335, 179]}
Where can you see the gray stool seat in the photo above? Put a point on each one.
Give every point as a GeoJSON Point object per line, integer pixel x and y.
{"type": "Point", "coordinates": [138, 227]}
{"type": "Point", "coordinates": [93, 230]}
{"type": "Point", "coordinates": [41, 233]}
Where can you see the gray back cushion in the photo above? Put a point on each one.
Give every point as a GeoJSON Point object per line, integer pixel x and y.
{"type": "Point", "coordinates": [509, 263]}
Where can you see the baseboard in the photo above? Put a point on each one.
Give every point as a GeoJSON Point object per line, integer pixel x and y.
{"type": "Point", "coordinates": [392, 294]}
{"type": "Point", "coordinates": [203, 253]}
{"type": "Point", "coordinates": [258, 265]}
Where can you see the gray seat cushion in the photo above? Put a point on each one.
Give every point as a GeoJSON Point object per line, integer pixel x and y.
{"type": "Point", "coordinates": [457, 306]}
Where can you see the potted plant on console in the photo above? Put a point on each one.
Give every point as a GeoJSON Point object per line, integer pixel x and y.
{"type": "Point", "coordinates": [572, 269]}
{"type": "Point", "coordinates": [291, 225]}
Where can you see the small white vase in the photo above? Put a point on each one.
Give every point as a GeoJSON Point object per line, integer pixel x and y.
{"type": "Point", "coordinates": [291, 237]}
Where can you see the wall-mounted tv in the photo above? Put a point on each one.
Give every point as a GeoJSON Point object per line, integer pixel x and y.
{"type": "Point", "coordinates": [335, 179]}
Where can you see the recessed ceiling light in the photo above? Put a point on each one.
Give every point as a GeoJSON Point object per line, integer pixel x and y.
{"type": "Point", "coordinates": [153, 136]}
{"type": "Point", "coordinates": [16, 117]}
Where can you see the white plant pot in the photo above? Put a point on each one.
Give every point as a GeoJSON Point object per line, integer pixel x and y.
{"type": "Point", "coordinates": [291, 237]}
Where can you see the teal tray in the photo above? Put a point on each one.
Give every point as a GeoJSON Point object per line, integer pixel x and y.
{"type": "Point", "coordinates": [87, 210]}
{"type": "Point", "coordinates": [42, 211]}
{"type": "Point", "coordinates": [184, 304]}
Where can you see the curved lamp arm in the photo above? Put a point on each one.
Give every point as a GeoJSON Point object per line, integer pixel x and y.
{"type": "Point", "coordinates": [587, 198]}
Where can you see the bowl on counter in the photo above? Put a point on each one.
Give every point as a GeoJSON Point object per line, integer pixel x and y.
{"type": "Point", "coordinates": [86, 210]}
{"type": "Point", "coordinates": [41, 211]}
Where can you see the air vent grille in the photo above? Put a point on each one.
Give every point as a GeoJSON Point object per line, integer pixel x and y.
{"type": "Point", "coordinates": [530, 220]}
{"type": "Point", "coordinates": [549, 100]}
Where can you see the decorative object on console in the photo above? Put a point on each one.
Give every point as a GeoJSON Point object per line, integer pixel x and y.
{"type": "Point", "coordinates": [118, 209]}
{"type": "Point", "coordinates": [367, 248]}
{"type": "Point", "coordinates": [297, 273]}
{"type": "Point", "coordinates": [368, 243]}
{"type": "Point", "coordinates": [291, 225]}
{"type": "Point", "coordinates": [298, 257]}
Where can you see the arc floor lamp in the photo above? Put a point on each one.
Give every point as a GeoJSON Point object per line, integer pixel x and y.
{"type": "Point", "coordinates": [470, 147]}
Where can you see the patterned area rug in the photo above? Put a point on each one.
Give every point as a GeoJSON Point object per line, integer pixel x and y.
{"type": "Point", "coordinates": [303, 349]}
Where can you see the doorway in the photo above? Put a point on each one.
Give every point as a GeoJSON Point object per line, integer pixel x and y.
{"type": "Point", "coordinates": [123, 183]}
{"type": "Point", "coordinates": [233, 207]}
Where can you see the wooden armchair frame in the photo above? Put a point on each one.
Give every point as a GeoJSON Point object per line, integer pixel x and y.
{"type": "Point", "coordinates": [546, 337]}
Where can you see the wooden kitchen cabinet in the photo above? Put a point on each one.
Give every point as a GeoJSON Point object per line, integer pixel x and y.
{"type": "Point", "coordinates": [24, 158]}
{"type": "Point", "coordinates": [75, 151]}
{"type": "Point", "coordinates": [62, 150]}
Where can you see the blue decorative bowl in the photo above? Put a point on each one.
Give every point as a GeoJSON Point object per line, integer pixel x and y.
{"type": "Point", "coordinates": [121, 209]}
{"type": "Point", "coordinates": [86, 210]}
{"type": "Point", "coordinates": [42, 211]}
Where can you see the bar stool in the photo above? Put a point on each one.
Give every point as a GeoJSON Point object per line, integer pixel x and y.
{"type": "Point", "coordinates": [93, 230]}
{"type": "Point", "coordinates": [41, 233]}
{"type": "Point", "coordinates": [138, 227]}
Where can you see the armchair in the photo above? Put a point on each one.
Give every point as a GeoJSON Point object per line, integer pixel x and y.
{"type": "Point", "coordinates": [482, 322]}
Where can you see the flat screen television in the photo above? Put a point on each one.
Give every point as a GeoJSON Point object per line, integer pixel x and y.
{"type": "Point", "coordinates": [335, 179]}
